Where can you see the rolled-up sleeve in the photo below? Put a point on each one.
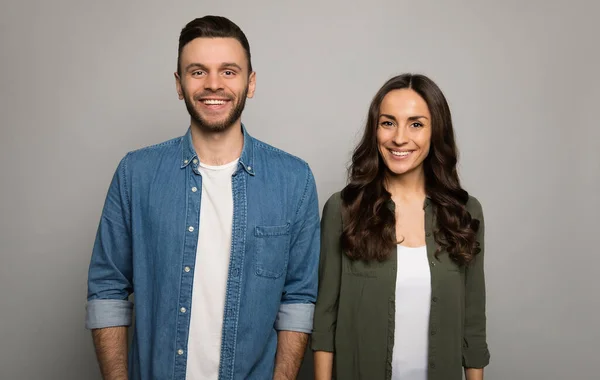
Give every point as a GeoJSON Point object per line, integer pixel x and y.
{"type": "Point", "coordinates": [330, 264]}
{"type": "Point", "coordinates": [295, 317]}
{"type": "Point", "coordinates": [300, 289]}
{"type": "Point", "coordinates": [110, 270]}
{"type": "Point", "coordinates": [475, 351]}
{"type": "Point", "coordinates": [107, 313]}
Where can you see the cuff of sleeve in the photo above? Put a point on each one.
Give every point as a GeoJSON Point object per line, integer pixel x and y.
{"type": "Point", "coordinates": [475, 358]}
{"type": "Point", "coordinates": [320, 341]}
{"type": "Point", "coordinates": [295, 317]}
{"type": "Point", "coordinates": [108, 313]}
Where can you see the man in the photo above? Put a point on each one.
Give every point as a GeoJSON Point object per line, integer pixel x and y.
{"type": "Point", "coordinates": [216, 232]}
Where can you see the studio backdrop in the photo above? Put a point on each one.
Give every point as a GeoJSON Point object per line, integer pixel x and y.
{"type": "Point", "coordinates": [84, 82]}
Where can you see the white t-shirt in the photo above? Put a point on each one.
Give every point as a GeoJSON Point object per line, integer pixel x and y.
{"type": "Point", "coordinates": [211, 272]}
{"type": "Point", "coordinates": [413, 298]}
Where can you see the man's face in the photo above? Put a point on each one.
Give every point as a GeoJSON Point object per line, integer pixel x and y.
{"type": "Point", "coordinates": [214, 82]}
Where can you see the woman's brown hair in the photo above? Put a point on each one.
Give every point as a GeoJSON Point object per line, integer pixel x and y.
{"type": "Point", "coordinates": [369, 225]}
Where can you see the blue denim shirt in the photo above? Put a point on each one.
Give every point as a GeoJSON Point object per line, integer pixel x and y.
{"type": "Point", "coordinates": [146, 244]}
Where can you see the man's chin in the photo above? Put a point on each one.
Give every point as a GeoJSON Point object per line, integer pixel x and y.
{"type": "Point", "coordinates": [214, 126]}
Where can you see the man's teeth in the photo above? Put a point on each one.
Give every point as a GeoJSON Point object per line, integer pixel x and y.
{"type": "Point", "coordinates": [401, 154]}
{"type": "Point", "coordinates": [213, 102]}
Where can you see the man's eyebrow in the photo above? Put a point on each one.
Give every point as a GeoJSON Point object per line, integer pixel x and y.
{"type": "Point", "coordinates": [231, 65]}
{"type": "Point", "coordinates": [196, 66]}
{"type": "Point", "coordinates": [224, 65]}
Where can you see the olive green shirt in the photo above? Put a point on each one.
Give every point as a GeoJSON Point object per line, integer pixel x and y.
{"type": "Point", "coordinates": [355, 310]}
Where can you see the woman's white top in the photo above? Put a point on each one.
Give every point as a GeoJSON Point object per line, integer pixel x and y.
{"type": "Point", "coordinates": [413, 298]}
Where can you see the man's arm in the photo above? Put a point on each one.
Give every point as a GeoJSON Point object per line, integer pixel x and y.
{"type": "Point", "coordinates": [111, 351]}
{"type": "Point", "coordinates": [291, 346]}
{"type": "Point", "coordinates": [295, 318]}
{"type": "Point", "coordinates": [108, 311]}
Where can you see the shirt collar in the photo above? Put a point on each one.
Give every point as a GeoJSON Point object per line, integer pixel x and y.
{"type": "Point", "coordinates": [188, 152]}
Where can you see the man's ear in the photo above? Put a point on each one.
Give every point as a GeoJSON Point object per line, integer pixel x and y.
{"type": "Point", "coordinates": [178, 86]}
{"type": "Point", "coordinates": [251, 84]}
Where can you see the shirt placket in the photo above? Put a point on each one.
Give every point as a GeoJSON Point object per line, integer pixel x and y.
{"type": "Point", "coordinates": [192, 225]}
{"type": "Point", "coordinates": [234, 279]}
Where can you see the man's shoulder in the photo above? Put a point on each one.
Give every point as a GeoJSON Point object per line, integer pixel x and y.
{"type": "Point", "coordinates": [272, 155]}
{"type": "Point", "coordinates": [157, 149]}
{"type": "Point", "coordinates": [151, 154]}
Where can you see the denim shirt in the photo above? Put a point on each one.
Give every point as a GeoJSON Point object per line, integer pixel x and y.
{"type": "Point", "coordinates": [146, 244]}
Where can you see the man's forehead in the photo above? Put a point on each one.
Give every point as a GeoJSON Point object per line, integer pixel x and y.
{"type": "Point", "coordinates": [214, 49]}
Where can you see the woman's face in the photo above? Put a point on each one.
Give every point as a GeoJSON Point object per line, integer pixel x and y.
{"type": "Point", "coordinates": [403, 131]}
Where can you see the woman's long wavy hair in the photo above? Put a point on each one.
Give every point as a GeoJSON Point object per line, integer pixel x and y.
{"type": "Point", "coordinates": [369, 225]}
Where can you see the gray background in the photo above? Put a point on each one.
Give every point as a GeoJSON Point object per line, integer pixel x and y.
{"type": "Point", "coordinates": [83, 82]}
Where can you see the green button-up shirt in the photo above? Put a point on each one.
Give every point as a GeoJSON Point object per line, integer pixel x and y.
{"type": "Point", "coordinates": [355, 310]}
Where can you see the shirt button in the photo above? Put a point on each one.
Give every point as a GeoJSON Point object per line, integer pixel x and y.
{"type": "Point", "coordinates": [428, 234]}
{"type": "Point", "coordinates": [187, 269]}
{"type": "Point", "coordinates": [191, 229]}
{"type": "Point", "coordinates": [432, 365]}
{"type": "Point", "coordinates": [434, 299]}
{"type": "Point", "coordinates": [194, 189]}
{"type": "Point", "coordinates": [180, 352]}
{"type": "Point", "coordinates": [433, 332]}
{"type": "Point", "coordinates": [195, 161]}
{"type": "Point", "coordinates": [249, 168]}
{"type": "Point", "coordinates": [183, 310]}
{"type": "Point", "coordinates": [185, 161]}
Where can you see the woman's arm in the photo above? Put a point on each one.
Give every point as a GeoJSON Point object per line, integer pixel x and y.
{"type": "Point", "coordinates": [475, 350]}
{"type": "Point", "coordinates": [323, 365]}
{"type": "Point", "coordinates": [326, 308]}
{"type": "Point", "coordinates": [474, 373]}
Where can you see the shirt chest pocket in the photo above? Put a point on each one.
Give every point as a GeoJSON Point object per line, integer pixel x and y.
{"type": "Point", "coordinates": [272, 250]}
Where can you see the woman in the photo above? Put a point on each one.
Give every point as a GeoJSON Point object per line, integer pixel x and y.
{"type": "Point", "coordinates": [401, 281]}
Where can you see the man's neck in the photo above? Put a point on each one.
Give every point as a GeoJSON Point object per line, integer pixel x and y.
{"type": "Point", "coordinates": [218, 148]}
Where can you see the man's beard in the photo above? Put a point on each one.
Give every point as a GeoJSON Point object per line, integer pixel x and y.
{"type": "Point", "coordinates": [234, 114]}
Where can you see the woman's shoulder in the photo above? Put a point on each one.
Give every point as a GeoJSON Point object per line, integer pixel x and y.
{"type": "Point", "coordinates": [474, 206]}
{"type": "Point", "coordinates": [335, 200]}
{"type": "Point", "coordinates": [331, 219]}
{"type": "Point", "coordinates": [333, 206]}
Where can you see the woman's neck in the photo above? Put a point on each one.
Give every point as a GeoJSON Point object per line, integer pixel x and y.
{"type": "Point", "coordinates": [407, 187]}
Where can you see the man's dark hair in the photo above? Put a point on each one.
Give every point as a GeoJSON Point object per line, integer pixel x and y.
{"type": "Point", "coordinates": [212, 27]}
